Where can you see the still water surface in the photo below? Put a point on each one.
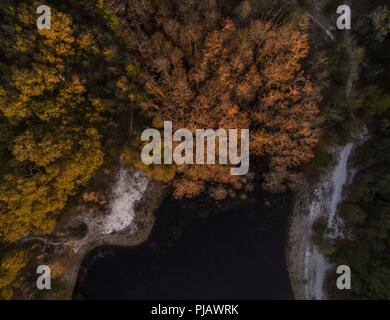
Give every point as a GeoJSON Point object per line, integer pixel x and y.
{"type": "Point", "coordinates": [237, 254]}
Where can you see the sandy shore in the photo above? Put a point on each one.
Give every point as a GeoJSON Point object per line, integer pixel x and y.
{"type": "Point", "coordinates": [72, 253]}
{"type": "Point", "coordinates": [298, 239]}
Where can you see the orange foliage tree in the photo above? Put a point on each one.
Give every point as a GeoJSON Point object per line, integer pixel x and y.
{"type": "Point", "coordinates": [204, 70]}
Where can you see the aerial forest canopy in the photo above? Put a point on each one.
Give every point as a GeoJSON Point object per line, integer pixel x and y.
{"type": "Point", "coordinates": [183, 61]}
{"type": "Point", "coordinates": [59, 89]}
{"type": "Point", "coordinates": [202, 69]}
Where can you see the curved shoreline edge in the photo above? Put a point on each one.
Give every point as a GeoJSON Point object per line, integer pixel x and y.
{"type": "Point", "coordinates": [144, 220]}
{"type": "Point", "coordinates": [298, 234]}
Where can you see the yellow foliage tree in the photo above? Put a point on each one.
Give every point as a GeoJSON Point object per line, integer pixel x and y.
{"type": "Point", "coordinates": [10, 267]}
{"type": "Point", "coordinates": [56, 100]}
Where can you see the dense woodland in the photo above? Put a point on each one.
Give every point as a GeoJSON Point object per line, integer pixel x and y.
{"type": "Point", "coordinates": [202, 69]}
{"type": "Point", "coordinates": [60, 89]}
{"type": "Point", "coordinates": [367, 208]}
{"type": "Point", "coordinates": [201, 64]}
{"type": "Point", "coordinates": [59, 92]}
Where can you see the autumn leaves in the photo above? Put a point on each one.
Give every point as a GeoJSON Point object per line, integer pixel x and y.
{"type": "Point", "coordinates": [200, 69]}
{"type": "Point", "coordinates": [58, 93]}
{"type": "Point", "coordinates": [204, 70]}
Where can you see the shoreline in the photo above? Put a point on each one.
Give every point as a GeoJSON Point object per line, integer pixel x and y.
{"type": "Point", "coordinates": [298, 234]}
{"type": "Point", "coordinates": [72, 256]}
{"type": "Point", "coordinates": [184, 233]}
{"type": "Point", "coordinates": [307, 267]}
{"type": "Point", "coordinates": [299, 226]}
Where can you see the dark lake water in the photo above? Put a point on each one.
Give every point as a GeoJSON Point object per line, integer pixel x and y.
{"type": "Point", "coordinates": [235, 254]}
